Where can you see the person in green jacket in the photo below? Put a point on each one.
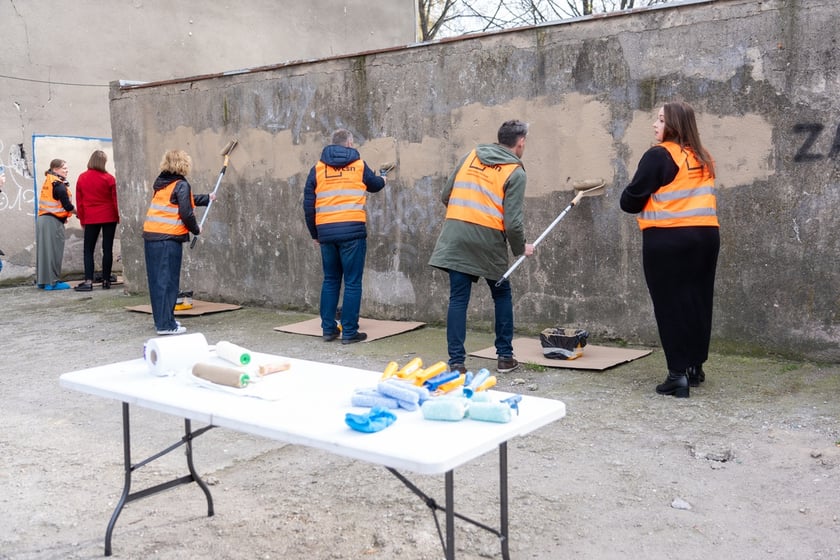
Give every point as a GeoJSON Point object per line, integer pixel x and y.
{"type": "Point", "coordinates": [484, 197]}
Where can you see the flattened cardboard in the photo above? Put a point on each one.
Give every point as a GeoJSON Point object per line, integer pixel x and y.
{"type": "Point", "coordinates": [374, 328]}
{"type": "Point", "coordinates": [199, 308]}
{"type": "Point", "coordinates": [529, 351]}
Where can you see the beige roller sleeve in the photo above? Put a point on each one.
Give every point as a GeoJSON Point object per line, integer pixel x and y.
{"type": "Point", "coordinates": [223, 375]}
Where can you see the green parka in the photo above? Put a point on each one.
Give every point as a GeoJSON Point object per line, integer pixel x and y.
{"type": "Point", "coordinates": [478, 250]}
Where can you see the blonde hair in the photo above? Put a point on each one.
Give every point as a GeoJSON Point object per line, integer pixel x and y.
{"type": "Point", "coordinates": [176, 161]}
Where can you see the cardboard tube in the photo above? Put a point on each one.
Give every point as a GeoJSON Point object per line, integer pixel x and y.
{"type": "Point", "coordinates": [223, 375]}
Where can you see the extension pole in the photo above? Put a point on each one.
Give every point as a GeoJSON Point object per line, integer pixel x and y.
{"type": "Point", "coordinates": [226, 153]}
{"type": "Point", "coordinates": [581, 193]}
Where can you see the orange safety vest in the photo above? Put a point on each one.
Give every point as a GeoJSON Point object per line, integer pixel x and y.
{"type": "Point", "coordinates": [340, 193]}
{"type": "Point", "coordinates": [47, 203]}
{"type": "Point", "coordinates": [688, 200]}
{"type": "Point", "coordinates": [163, 216]}
{"type": "Point", "coordinates": [478, 193]}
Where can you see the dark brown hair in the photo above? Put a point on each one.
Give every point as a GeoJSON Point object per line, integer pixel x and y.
{"type": "Point", "coordinates": [681, 128]}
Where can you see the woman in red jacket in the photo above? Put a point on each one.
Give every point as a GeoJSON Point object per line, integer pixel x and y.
{"type": "Point", "coordinates": [97, 210]}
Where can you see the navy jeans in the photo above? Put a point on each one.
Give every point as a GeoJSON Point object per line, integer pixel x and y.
{"type": "Point", "coordinates": [460, 287]}
{"type": "Point", "coordinates": [344, 260]}
{"type": "Point", "coordinates": [163, 270]}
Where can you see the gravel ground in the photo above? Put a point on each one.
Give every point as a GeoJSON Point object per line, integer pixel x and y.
{"type": "Point", "coordinates": [747, 468]}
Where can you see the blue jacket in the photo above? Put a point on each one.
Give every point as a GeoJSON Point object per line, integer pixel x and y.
{"type": "Point", "coordinates": [337, 156]}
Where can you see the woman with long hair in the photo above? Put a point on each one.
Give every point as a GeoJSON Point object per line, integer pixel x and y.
{"type": "Point", "coordinates": [97, 210]}
{"type": "Point", "coordinates": [673, 194]}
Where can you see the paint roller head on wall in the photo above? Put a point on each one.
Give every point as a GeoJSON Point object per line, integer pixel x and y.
{"type": "Point", "coordinates": [590, 187]}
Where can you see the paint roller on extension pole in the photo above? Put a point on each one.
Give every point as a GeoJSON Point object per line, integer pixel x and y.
{"type": "Point", "coordinates": [589, 187]}
{"type": "Point", "coordinates": [226, 154]}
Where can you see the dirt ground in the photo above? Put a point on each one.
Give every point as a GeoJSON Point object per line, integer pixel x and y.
{"type": "Point", "coordinates": [747, 468]}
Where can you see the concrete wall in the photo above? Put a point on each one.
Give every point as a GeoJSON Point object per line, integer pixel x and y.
{"type": "Point", "coordinates": [764, 78]}
{"type": "Point", "coordinates": [60, 56]}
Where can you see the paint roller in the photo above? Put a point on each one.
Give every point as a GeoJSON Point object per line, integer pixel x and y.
{"type": "Point", "coordinates": [390, 371]}
{"type": "Point", "coordinates": [422, 375]}
{"type": "Point", "coordinates": [479, 382]}
{"type": "Point", "coordinates": [408, 369]}
{"type": "Point", "coordinates": [221, 375]}
{"type": "Point", "coordinates": [435, 382]}
{"type": "Point", "coordinates": [448, 386]}
{"type": "Point", "coordinates": [586, 188]}
{"type": "Point", "coordinates": [228, 149]}
{"type": "Point", "coordinates": [233, 353]}
{"type": "Point", "coordinates": [449, 409]}
{"type": "Point", "coordinates": [484, 409]}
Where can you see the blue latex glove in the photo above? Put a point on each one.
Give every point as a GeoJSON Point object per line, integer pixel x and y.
{"type": "Point", "coordinates": [377, 419]}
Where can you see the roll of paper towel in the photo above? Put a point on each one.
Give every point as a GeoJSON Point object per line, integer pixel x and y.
{"type": "Point", "coordinates": [168, 355]}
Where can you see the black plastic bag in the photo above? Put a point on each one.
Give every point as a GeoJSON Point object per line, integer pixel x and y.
{"type": "Point", "coordinates": [560, 343]}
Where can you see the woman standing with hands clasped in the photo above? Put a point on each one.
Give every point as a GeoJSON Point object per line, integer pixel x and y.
{"type": "Point", "coordinates": [54, 207]}
{"type": "Point", "coordinates": [96, 208]}
{"type": "Point", "coordinates": [169, 222]}
{"type": "Point", "coordinates": [673, 193]}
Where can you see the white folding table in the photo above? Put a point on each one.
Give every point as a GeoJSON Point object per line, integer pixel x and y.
{"type": "Point", "coordinates": [306, 405]}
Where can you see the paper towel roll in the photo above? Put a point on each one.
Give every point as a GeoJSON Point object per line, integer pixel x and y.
{"type": "Point", "coordinates": [223, 375]}
{"type": "Point", "coordinates": [167, 355]}
{"type": "Point", "coordinates": [233, 353]}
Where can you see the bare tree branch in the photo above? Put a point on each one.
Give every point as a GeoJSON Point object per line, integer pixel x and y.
{"type": "Point", "coordinates": [455, 17]}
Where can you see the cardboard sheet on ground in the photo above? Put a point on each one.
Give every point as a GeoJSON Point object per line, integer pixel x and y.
{"type": "Point", "coordinates": [199, 308]}
{"type": "Point", "coordinates": [529, 350]}
{"type": "Point", "coordinates": [374, 328]}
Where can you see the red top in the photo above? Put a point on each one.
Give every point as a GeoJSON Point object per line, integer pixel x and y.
{"type": "Point", "coordinates": [96, 198]}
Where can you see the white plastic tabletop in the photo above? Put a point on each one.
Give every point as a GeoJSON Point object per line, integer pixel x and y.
{"type": "Point", "coordinates": [307, 404]}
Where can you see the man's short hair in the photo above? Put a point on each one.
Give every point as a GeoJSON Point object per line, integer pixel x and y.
{"type": "Point", "coordinates": [511, 131]}
{"type": "Point", "coordinates": [342, 137]}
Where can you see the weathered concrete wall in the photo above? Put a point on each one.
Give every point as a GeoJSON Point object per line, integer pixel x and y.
{"type": "Point", "coordinates": [764, 78]}
{"type": "Point", "coordinates": [60, 56]}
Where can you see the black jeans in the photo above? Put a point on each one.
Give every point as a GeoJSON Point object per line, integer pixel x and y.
{"type": "Point", "coordinates": [108, 230]}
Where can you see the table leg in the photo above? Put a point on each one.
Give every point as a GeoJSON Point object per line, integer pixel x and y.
{"type": "Point", "coordinates": [450, 515]}
{"type": "Point", "coordinates": [503, 500]}
{"type": "Point", "coordinates": [127, 496]}
{"type": "Point", "coordinates": [448, 540]}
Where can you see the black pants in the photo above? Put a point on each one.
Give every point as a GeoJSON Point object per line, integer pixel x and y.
{"type": "Point", "coordinates": [108, 230]}
{"type": "Point", "coordinates": [680, 265]}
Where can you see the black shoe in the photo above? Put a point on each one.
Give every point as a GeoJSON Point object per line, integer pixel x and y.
{"type": "Point", "coordinates": [675, 384]}
{"type": "Point", "coordinates": [696, 376]}
{"type": "Point", "coordinates": [360, 336]}
{"type": "Point", "coordinates": [106, 284]}
{"type": "Point", "coordinates": [506, 365]}
{"type": "Point", "coordinates": [86, 286]}
{"type": "Point", "coordinates": [329, 337]}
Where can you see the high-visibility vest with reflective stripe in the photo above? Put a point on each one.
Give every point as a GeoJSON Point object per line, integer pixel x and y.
{"type": "Point", "coordinates": [688, 200]}
{"type": "Point", "coordinates": [340, 193]}
{"type": "Point", "coordinates": [47, 203]}
{"type": "Point", "coordinates": [478, 193]}
{"type": "Point", "coordinates": [163, 216]}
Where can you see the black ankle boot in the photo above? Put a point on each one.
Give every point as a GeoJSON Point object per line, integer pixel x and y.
{"type": "Point", "coordinates": [696, 376]}
{"type": "Point", "coordinates": [675, 384]}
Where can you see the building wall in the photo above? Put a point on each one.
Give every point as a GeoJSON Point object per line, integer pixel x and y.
{"type": "Point", "coordinates": [59, 58]}
{"type": "Point", "coordinates": [764, 78]}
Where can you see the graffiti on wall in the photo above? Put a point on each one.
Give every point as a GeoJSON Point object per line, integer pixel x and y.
{"type": "Point", "coordinates": [17, 195]}
{"type": "Point", "coordinates": [812, 134]}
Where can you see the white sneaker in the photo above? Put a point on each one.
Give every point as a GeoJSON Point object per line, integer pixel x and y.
{"type": "Point", "coordinates": [177, 330]}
